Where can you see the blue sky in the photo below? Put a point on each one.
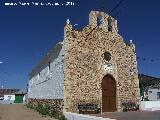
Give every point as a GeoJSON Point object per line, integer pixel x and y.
{"type": "Point", "coordinates": [27, 33]}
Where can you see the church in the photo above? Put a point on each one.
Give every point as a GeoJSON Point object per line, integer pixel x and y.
{"type": "Point", "coordinates": [93, 65]}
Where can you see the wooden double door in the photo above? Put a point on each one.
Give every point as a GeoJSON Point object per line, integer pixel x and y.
{"type": "Point", "coordinates": [108, 94]}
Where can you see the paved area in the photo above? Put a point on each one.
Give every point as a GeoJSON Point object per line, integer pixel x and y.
{"type": "Point", "coordinates": [19, 112]}
{"type": "Point", "coordinates": [140, 115]}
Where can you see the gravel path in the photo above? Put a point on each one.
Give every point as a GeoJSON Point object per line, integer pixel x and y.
{"type": "Point", "coordinates": [19, 112]}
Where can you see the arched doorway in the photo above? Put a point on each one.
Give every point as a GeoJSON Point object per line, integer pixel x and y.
{"type": "Point", "coordinates": [108, 94]}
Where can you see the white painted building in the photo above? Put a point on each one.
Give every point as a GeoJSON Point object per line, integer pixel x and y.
{"type": "Point", "coordinates": [9, 97]}
{"type": "Point", "coordinates": [46, 80]}
{"type": "Point", "coordinates": [154, 94]}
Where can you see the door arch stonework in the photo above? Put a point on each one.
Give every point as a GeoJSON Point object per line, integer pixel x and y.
{"type": "Point", "coordinates": [108, 94]}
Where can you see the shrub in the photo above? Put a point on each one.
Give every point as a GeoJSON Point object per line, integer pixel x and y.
{"type": "Point", "coordinates": [62, 117]}
{"type": "Point", "coordinates": [29, 106]}
{"type": "Point", "coordinates": [47, 110]}
{"type": "Point", "coordinates": [42, 110]}
{"type": "Point", "coordinates": [54, 114]}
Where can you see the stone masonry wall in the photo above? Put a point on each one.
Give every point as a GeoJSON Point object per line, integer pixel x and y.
{"type": "Point", "coordinates": [56, 104]}
{"type": "Point", "coordinates": [84, 64]}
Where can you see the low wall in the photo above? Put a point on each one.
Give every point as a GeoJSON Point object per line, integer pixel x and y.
{"type": "Point", "coordinates": [75, 116]}
{"type": "Point", "coordinates": [6, 101]}
{"type": "Point", "coordinates": [48, 102]}
{"type": "Point", "coordinates": [149, 105]}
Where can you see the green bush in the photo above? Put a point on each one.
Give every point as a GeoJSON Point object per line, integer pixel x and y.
{"type": "Point", "coordinates": [29, 106]}
{"type": "Point", "coordinates": [54, 114]}
{"type": "Point", "coordinates": [47, 110]}
{"type": "Point", "coordinates": [62, 118]}
{"type": "Point", "coordinates": [42, 110]}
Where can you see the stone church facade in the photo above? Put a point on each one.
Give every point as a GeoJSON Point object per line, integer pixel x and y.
{"type": "Point", "coordinates": [93, 65]}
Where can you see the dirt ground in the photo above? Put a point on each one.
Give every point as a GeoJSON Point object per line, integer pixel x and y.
{"type": "Point", "coordinates": [19, 112]}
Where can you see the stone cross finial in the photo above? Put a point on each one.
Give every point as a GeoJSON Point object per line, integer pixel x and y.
{"type": "Point", "coordinates": [131, 41]}
{"type": "Point", "coordinates": [68, 21]}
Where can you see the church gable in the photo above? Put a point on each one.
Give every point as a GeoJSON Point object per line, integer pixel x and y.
{"type": "Point", "coordinates": [86, 66]}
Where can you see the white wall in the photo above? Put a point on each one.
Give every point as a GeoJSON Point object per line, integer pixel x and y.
{"type": "Point", "coordinates": [150, 105]}
{"type": "Point", "coordinates": [24, 97]}
{"type": "Point", "coordinates": [6, 97]}
{"type": "Point", "coordinates": [49, 86]}
{"type": "Point", "coordinates": [152, 94]}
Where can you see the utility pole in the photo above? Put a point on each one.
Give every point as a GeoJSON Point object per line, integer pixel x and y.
{"type": "Point", "coordinates": [1, 63]}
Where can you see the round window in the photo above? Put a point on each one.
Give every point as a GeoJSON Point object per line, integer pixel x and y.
{"type": "Point", "coordinates": [107, 56]}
